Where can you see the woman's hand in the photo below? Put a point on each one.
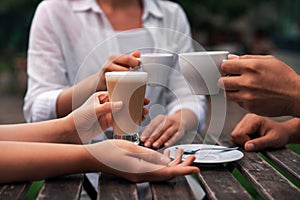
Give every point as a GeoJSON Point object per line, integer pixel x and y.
{"type": "Point", "coordinates": [138, 164]}
{"type": "Point", "coordinates": [166, 130]}
{"type": "Point", "coordinates": [95, 116]}
{"type": "Point", "coordinates": [119, 62]}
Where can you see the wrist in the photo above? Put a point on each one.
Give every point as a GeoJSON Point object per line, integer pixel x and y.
{"type": "Point", "coordinates": [87, 162]}
{"type": "Point", "coordinates": [293, 127]}
{"type": "Point", "coordinates": [295, 97]}
{"type": "Point", "coordinates": [70, 130]}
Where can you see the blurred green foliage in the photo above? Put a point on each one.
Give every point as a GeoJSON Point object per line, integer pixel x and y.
{"type": "Point", "coordinates": [206, 16]}
{"type": "Point", "coordinates": [15, 19]}
{"type": "Point", "coordinates": [17, 5]}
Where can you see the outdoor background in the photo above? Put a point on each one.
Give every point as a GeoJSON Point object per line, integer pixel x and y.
{"type": "Point", "coordinates": [240, 26]}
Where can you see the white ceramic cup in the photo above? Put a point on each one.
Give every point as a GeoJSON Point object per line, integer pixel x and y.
{"type": "Point", "coordinates": [158, 66]}
{"type": "Point", "coordinates": [202, 70]}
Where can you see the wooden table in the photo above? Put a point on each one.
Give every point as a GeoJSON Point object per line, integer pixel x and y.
{"type": "Point", "coordinates": [260, 169]}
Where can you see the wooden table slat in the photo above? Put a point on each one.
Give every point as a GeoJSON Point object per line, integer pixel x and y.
{"type": "Point", "coordinates": [113, 187]}
{"type": "Point", "coordinates": [211, 181]}
{"type": "Point", "coordinates": [267, 180]}
{"type": "Point", "coordinates": [65, 187]}
{"type": "Point", "coordinates": [287, 160]}
{"type": "Point", "coordinates": [14, 191]}
{"type": "Point", "coordinates": [174, 189]}
{"type": "Point", "coordinates": [219, 183]}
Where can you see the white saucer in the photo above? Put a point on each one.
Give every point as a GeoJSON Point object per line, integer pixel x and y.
{"type": "Point", "coordinates": [208, 156]}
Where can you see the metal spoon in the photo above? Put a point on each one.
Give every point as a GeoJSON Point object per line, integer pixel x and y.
{"type": "Point", "coordinates": [209, 148]}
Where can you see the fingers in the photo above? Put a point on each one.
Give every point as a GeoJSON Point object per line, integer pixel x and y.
{"type": "Point", "coordinates": [258, 143]}
{"type": "Point", "coordinates": [180, 169]}
{"type": "Point", "coordinates": [236, 65]}
{"type": "Point", "coordinates": [136, 54]}
{"type": "Point", "coordinates": [121, 62]}
{"type": "Point", "coordinates": [185, 168]}
{"type": "Point", "coordinates": [167, 152]}
{"type": "Point", "coordinates": [230, 83]}
{"type": "Point", "coordinates": [233, 56]}
{"type": "Point", "coordinates": [250, 124]}
{"type": "Point", "coordinates": [177, 158]}
{"type": "Point", "coordinates": [112, 67]}
{"type": "Point", "coordinates": [146, 101]}
{"type": "Point", "coordinates": [125, 60]}
{"type": "Point", "coordinates": [145, 154]}
{"type": "Point", "coordinates": [151, 127]}
{"type": "Point", "coordinates": [162, 130]}
{"type": "Point", "coordinates": [153, 157]}
{"type": "Point", "coordinates": [102, 97]}
{"type": "Point", "coordinates": [173, 138]}
{"type": "Point", "coordinates": [232, 66]}
{"type": "Point", "coordinates": [255, 56]}
{"type": "Point", "coordinates": [160, 135]}
{"type": "Point", "coordinates": [109, 107]}
{"type": "Point", "coordinates": [145, 113]}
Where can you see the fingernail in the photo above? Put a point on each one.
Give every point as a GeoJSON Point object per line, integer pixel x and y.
{"type": "Point", "coordinates": [156, 144]}
{"type": "Point", "coordinates": [117, 104]}
{"type": "Point", "coordinates": [250, 147]}
{"type": "Point", "coordinates": [224, 60]}
{"type": "Point", "coordinates": [143, 138]}
{"type": "Point", "coordinates": [147, 144]}
{"type": "Point", "coordinates": [233, 56]}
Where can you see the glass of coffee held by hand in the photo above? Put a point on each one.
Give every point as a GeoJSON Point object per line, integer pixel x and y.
{"type": "Point", "coordinates": [130, 88]}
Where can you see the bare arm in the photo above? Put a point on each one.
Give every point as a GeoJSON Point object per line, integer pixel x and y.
{"type": "Point", "coordinates": [81, 125]}
{"type": "Point", "coordinates": [22, 161]}
{"type": "Point", "coordinates": [59, 131]}
{"type": "Point", "coordinates": [74, 96]}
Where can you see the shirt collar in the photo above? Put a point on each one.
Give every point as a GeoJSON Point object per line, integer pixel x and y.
{"type": "Point", "coordinates": [85, 5]}
{"type": "Point", "coordinates": [151, 7]}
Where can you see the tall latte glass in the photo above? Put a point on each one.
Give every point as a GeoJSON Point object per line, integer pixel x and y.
{"type": "Point", "coordinates": [128, 87]}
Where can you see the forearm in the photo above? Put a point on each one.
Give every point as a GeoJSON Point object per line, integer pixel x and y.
{"type": "Point", "coordinates": [75, 96]}
{"type": "Point", "coordinates": [293, 129]}
{"type": "Point", "coordinates": [54, 131]}
{"type": "Point", "coordinates": [295, 110]}
{"type": "Point", "coordinates": [21, 161]}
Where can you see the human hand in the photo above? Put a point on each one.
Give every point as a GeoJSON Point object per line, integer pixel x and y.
{"type": "Point", "coordinates": [269, 133]}
{"type": "Point", "coordinates": [261, 84]}
{"type": "Point", "coordinates": [163, 131]}
{"type": "Point", "coordinates": [121, 62]}
{"type": "Point", "coordinates": [138, 164]}
{"type": "Point", "coordinates": [95, 115]}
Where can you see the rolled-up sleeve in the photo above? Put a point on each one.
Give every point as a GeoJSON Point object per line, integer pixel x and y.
{"type": "Point", "coordinates": [46, 71]}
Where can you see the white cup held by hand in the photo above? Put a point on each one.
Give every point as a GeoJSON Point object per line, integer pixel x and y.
{"type": "Point", "coordinates": [158, 66]}
{"type": "Point", "coordinates": [202, 70]}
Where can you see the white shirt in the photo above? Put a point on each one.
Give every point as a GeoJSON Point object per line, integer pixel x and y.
{"type": "Point", "coordinates": [71, 39]}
